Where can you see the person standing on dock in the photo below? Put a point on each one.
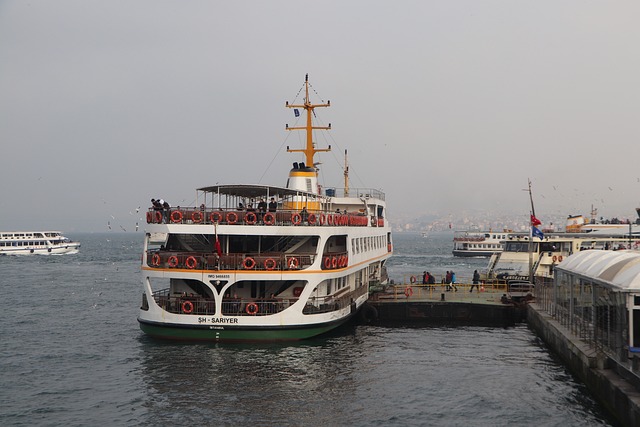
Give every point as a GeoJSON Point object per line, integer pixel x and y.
{"type": "Point", "coordinates": [452, 281]}
{"type": "Point", "coordinates": [475, 281]}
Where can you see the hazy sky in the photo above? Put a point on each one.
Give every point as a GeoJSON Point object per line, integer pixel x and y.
{"type": "Point", "coordinates": [445, 105]}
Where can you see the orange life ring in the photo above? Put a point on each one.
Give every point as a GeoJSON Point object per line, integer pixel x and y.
{"type": "Point", "coordinates": [559, 258]}
{"type": "Point", "coordinates": [293, 263]}
{"type": "Point", "coordinates": [311, 219]}
{"type": "Point", "coordinates": [196, 217]}
{"type": "Point", "coordinates": [248, 263]}
{"type": "Point", "coordinates": [330, 219]}
{"type": "Point", "coordinates": [269, 218]}
{"type": "Point", "coordinates": [191, 262]}
{"type": "Point", "coordinates": [322, 219]}
{"type": "Point", "coordinates": [149, 218]}
{"type": "Point", "coordinates": [412, 279]}
{"type": "Point", "coordinates": [250, 218]}
{"type": "Point", "coordinates": [270, 264]}
{"type": "Point", "coordinates": [155, 260]}
{"type": "Point", "coordinates": [176, 216]}
{"type": "Point", "coordinates": [173, 261]}
{"type": "Point", "coordinates": [554, 258]}
{"type": "Point", "coordinates": [296, 219]}
{"type": "Point", "coordinates": [345, 261]}
{"type": "Point", "coordinates": [187, 307]}
{"type": "Point", "coordinates": [232, 217]}
{"type": "Point", "coordinates": [252, 308]}
{"type": "Point", "coordinates": [334, 262]}
{"type": "Point", "coordinates": [216, 217]}
{"type": "Point", "coordinates": [408, 291]}
{"type": "Point", "coordinates": [327, 262]}
{"type": "Point", "coordinates": [158, 217]}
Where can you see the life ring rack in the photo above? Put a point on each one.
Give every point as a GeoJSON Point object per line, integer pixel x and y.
{"type": "Point", "coordinates": [250, 218]}
{"type": "Point", "coordinates": [196, 217]}
{"type": "Point", "coordinates": [248, 263]}
{"type": "Point", "coordinates": [270, 264]}
{"type": "Point", "coordinates": [176, 216]}
{"type": "Point", "coordinates": [252, 309]}
{"type": "Point", "coordinates": [172, 261]}
{"type": "Point", "coordinates": [155, 260]}
{"type": "Point", "coordinates": [216, 217]}
{"type": "Point", "coordinates": [293, 263]}
{"type": "Point", "coordinates": [269, 218]}
{"type": "Point", "coordinates": [187, 307]}
{"type": "Point", "coordinates": [191, 262]}
{"type": "Point", "coordinates": [232, 217]}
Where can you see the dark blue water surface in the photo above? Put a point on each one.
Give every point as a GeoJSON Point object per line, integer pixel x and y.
{"type": "Point", "coordinates": [72, 354]}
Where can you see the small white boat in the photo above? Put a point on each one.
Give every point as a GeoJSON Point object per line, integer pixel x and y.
{"type": "Point", "coordinates": [36, 243]}
{"type": "Point", "coordinates": [298, 264]}
{"type": "Point", "coordinates": [478, 243]}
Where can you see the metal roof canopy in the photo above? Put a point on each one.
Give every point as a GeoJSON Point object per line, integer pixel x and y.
{"type": "Point", "coordinates": [255, 191]}
{"type": "Point", "coordinates": [617, 269]}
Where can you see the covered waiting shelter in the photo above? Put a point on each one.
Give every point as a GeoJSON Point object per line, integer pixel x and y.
{"type": "Point", "coordinates": [597, 294]}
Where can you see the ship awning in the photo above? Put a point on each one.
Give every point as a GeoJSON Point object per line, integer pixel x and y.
{"type": "Point", "coordinates": [256, 191]}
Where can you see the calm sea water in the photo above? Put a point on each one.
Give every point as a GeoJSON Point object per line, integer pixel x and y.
{"type": "Point", "coordinates": [72, 354]}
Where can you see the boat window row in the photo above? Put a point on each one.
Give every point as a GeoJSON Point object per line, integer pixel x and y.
{"type": "Point", "coordinates": [24, 243]}
{"type": "Point", "coordinates": [364, 244]}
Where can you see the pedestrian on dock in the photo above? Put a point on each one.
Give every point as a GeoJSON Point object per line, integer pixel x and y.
{"type": "Point", "coordinates": [451, 281]}
{"type": "Point", "coordinates": [475, 281]}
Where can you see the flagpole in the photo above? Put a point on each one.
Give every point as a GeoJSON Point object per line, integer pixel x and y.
{"type": "Point", "coordinates": [533, 215]}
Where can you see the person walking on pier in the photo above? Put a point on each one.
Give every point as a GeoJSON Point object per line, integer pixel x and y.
{"type": "Point", "coordinates": [475, 281]}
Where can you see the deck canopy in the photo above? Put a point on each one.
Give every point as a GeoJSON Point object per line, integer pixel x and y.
{"type": "Point", "coordinates": [619, 270]}
{"type": "Point", "coordinates": [256, 191]}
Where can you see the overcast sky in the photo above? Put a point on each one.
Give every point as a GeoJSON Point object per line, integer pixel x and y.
{"type": "Point", "coordinates": [445, 105]}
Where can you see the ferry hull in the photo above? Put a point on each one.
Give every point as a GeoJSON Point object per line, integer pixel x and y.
{"type": "Point", "coordinates": [237, 333]}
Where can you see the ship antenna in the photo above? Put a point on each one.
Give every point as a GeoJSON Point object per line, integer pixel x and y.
{"type": "Point", "coordinates": [310, 150]}
{"type": "Point", "coordinates": [346, 175]}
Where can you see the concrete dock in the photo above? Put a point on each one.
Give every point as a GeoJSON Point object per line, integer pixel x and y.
{"type": "Point", "coordinates": [436, 305]}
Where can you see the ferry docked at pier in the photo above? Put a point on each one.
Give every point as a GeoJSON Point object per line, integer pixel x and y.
{"type": "Point", "coordinates": [478, 243]}
{"type": "Point", "coordinates": [522, 253]}
{"type": "Point", "coordinates": [292, 263]}
{"type": "Point", "coordinates": [36, 243]}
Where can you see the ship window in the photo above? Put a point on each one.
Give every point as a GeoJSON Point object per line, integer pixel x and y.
{"type": "Point", "coordinates": [309, 188]}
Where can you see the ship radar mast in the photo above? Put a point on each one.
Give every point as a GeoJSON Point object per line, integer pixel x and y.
{"type": "Point", "coordinates": [310, 149]}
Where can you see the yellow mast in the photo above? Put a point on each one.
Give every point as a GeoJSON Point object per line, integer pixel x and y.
{"type": "Point", "coordinates": [310, 150]}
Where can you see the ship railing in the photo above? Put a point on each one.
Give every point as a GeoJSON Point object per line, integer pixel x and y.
{"type": "Point", "coordinates": [166, 259]}
{"type": "Point", "coordinates": [282, 217]}
{"type": "Point", "coordinates": [197, 305]}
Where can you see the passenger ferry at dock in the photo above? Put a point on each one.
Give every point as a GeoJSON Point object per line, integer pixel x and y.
{"type": "Point", "coordinates": [478, 243]}
{"type": "Point", "coordinates": [543, 256]}
{"type": "Point", "coordinates": [264, 263]}
{"type": "Point", "coordinates": [36, 243]}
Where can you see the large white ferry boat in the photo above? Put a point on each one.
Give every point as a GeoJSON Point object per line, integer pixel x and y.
{"type": "Point", "coordinates": [522, 253]}
{"type": "Point", "coordinates": [36, 243]}
{"type": "Point", "coordinates": [292, 263]}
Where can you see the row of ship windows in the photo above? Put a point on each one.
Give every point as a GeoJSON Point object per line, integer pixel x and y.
{"type": "Point", "coordinates": [483, 246]}
{"type": "Point", "coordinates": [31, 243]}
{"type": "Point", "coordinates": [363, 244]}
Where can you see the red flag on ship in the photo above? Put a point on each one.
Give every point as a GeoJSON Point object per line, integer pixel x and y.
{"type": "Point", "coordinates": [217, 244]}
{"type": "Point", "coordinates": [535, 221]}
